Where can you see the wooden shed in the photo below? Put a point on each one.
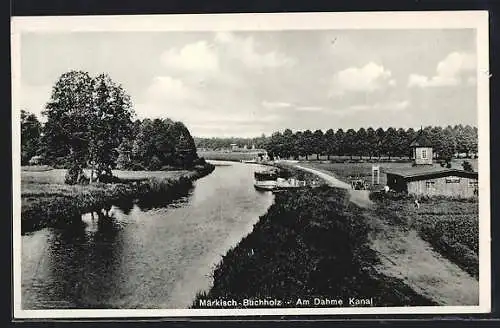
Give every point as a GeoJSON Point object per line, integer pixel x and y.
{"type": "Point", "coordinates": [434, 181]}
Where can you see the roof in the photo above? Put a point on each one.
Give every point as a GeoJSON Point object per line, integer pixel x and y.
{"type": "Point", "coordinates": [421, 140]}
{"type": "Point", "coordinates": [421, 173]}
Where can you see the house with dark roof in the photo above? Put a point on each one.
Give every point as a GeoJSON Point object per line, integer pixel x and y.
{"type": "Point", "coordinates": [426, 179]}
{"type": "Point", "coordinates": [434, 181]}
{"type": "Point", "coordinates": [421, 149]}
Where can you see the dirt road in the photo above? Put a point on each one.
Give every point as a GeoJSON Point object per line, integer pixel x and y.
{"type": "Point", "coordinates": [358, 197]}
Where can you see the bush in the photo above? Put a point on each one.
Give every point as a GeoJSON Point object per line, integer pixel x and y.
{"type": "Point", "coordinates": [155, 164]}
{"type": "Point", "coordinates": [467, 166]}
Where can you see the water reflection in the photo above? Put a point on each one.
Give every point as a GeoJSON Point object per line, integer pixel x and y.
{"type": "Point", "coordinates": [158, 200]}
{"type": "Point", "coordinates": [154, 254]}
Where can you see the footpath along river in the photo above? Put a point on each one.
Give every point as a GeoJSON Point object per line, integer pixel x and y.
{"type": "Point", "coordinates": [143, 257]}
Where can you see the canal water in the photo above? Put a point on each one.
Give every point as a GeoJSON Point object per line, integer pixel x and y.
{"type": "Point", "coordinates": [143, 257]}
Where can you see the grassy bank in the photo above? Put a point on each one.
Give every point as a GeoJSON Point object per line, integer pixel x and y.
{"type": "Point", "coordinates": [451, 226]}
{"type": "Point", "coordinates": [235, 156]}
{"type": "Point", "coordinates": [310, 243]}
{"type": "Point", "coordinates": [47, 202]}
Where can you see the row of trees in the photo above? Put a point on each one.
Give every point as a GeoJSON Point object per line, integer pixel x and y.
{"type": "Point", "coordinates": [371, 143]}
{"type": "Point", "coordinates": [89, 124]}
{"type": "Point", "coordinates": [368, 142]}
{"type": "Point", "coordinates": [217, 143]}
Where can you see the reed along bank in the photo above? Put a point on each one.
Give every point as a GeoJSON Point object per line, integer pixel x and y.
{"type": "Point", "coordinates": [55, 205]}
{"type": "Point", "coordinates": [312, 243]}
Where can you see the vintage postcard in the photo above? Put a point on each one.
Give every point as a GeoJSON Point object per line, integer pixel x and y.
{"type": "Point", "coordinates": [251, 164]}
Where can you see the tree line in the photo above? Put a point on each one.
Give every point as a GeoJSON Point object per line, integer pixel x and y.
{"type": "Point", "coordinates": [90, 125]}
{"type": "Point", "coordinates": [392, 142]}
{"type": "Point", "coordinates": [446, 142]}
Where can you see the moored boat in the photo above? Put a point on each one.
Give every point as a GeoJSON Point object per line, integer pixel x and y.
{"type": "Point", "coordinates": [267, 185]}
{"type": "Point", "coordinates": [266, 175]}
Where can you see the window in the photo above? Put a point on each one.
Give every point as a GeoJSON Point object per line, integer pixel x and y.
{"type": "Point", "coordinates": [429, 185]}
{"type": "Point", "coordinates": [424, 153]}
{"type": "Point", "coordinates": [452, 180]}
{"type": "Point", "coordinates": [473, 183]}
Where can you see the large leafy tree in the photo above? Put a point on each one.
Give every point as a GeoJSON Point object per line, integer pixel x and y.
{"type": "Point", "coordinates": [318, 143]}
{"type": "Point", "coordinates": [31, 130]}
{"type": "Point", "coordinates": [361, 143]}
{"type": "Point", "coordinates": [330, 143]}
{"type": "Point", "coordinates": [380, 143]}
{"type": "Point", "coordinates": [391, 142]}
{"type": "Point", "coordinates": [371, 142]}
{"type": "Point", "coordinates": [87, 119]}
{"type": "Point", "coordinates": [339, 136]}
{"type": "Point", "coordinates": [349, 142]}
{"type": "Point", "coordinates": [307, 143]}
{"type": "Point", "coordinates": [403, 144]}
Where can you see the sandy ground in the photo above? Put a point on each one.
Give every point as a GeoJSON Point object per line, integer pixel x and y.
{"type": "Point", "coordinates": [404, 255]}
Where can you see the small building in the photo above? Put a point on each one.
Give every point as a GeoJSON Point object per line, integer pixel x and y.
{"type": "Point", "coordinates": [434, 181]}
{"type": "Point", "coordinates": [234, 146]}
{"type": "Point", "coordinates": [421, 149]}
{"type": "Point", "coordinates": [425, 179]}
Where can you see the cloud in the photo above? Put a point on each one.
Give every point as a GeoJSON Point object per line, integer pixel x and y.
{"type": "Point", "coordinates": [170, 89]}
{"type": "Point", "coordinates": [275, 104]}
{"type": "Point", "coordinates": [245, 49]}
{"type": "Point", "coordinates": [364, 79]}
{"type": "Point", "coordinates": [391, 106]}
{"type": "Point", "coordinates": [310, 108]}
{"type": "Point", "coordinates": [450, 71]}
{"type": "Point", "coordinates": [198, 56]}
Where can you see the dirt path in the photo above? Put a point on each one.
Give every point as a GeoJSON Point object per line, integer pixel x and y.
{"type": "Point", "coordinates": [358, 197]}
{"type": "Point", "coordinates": [404, 255]}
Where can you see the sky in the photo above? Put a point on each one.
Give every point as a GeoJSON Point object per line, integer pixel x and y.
{"type": "Point", "coordinates": [246, 84]}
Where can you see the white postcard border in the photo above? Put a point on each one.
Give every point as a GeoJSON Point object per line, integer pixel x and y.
{"type": "Point", "coordinates": [243, 22]}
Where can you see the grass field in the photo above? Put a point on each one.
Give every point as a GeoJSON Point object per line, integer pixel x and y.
{"type": "Point", "coordinates": [56, 176]}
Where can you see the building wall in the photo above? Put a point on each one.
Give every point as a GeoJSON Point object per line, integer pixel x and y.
{"type": "Point", "coordinates": [396, 183]}
{"type": "Point", "coordinates": [451, 186]}
{"type": "Point", "coordinates": [422, 155]}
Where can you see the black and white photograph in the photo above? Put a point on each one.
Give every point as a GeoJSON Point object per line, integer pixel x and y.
{"type": "Point", "coordinates": [251, 164]}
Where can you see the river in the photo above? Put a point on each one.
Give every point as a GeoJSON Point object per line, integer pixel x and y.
{"type": "Point", "coordinates": [143, 257]}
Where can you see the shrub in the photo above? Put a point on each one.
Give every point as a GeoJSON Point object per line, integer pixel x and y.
{"type": "Point", "coordinates": [467, 166]}
{"type": "Point", "coordinates": [155, 164]}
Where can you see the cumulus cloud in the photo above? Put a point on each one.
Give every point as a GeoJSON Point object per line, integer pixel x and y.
{"type": "Point", "coordinates": [361, 79]}
{"type": "Point", "coordinates": [449, 72]}
{"type": "Point", "coordinates": [198, 56]}
{"type": "Point", "coordinates": [168, 88]}
{"type": "Point", "coordinates": [246, 50]}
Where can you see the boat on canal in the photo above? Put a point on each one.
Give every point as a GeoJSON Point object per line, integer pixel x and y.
{"type": "Point", "coordinates": [279, 184]}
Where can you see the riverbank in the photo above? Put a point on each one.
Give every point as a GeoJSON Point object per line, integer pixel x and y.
{"type": "Point", "coordinates": [47, 202]}
{"type": "Point", "coordinates": [311, 243]}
